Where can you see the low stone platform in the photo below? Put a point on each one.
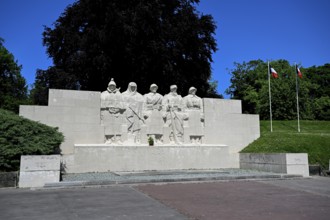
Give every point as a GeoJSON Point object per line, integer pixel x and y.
{"type": "Point", "coordinates": [290, 163]}
{"type": "Point", "coordinates": [36, 170]}
{"type": "Point", "coordinates": [116, 158]}
{"type": "Point", "coordinates": [114, 178]}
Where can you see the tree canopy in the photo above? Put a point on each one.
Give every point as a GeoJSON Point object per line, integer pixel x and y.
{"type": "Point", "coordinates": [13, 88]}
{"type": "Point", "coordinates": [249, 82]}
{"type": "Point", "coordinates": [162, 42]}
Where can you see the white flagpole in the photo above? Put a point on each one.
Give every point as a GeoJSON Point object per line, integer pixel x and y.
{"type": "Point", "coordinates": [297, 95]}
{"type": "Point", "coordinates": [270, 101]}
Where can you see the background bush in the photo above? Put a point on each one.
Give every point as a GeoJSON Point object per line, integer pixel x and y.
{"type": "Point", "coordinates": [20, 136]}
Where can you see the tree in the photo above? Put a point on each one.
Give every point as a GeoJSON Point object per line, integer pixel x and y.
{"type": "Point", "coordinates": [320, 78]}
{"type": "Point", "coordinates": [320, 91]}
{"type": "Point", "coordinates": [249, 83]}
{"type": "Point", "coordinates": [162, 42]}
{"type": "Point", "coordinates": [322, 108]}
{"type": "Point", "coordinates": [13, 88]}
{"type": "Point", "coordinates": [50, 78]}
{"type": "Point", "coordinates": [246, 83]}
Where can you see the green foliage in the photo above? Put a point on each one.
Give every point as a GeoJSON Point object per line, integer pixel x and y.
{"type": "Point", "coordinates": [249, 83]}
{"type": "Point", "coordinates": [246, 83]}
{"type": "Point", "coordinates": [13, 88]}
{"type": "Point", "coordinates": [313, 139]}
{"type": "Point", "coordinates": [162, 42]}
{"type": "Point", "coordinates": [151, 141]}
{"type": "Point", "coordinates": [51, 78]}
{"type": "Point", "coordinates": [322, 108]}
{"type": "Point", "coordinates": [20, 136]}
{"type": "Point", "coordinates": [320, 78]}
{"type": "Point", "coordinates": [212, 91]}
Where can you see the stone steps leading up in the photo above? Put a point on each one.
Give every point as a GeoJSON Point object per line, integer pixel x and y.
{"type": "Point", "coordinates": [108, 179]}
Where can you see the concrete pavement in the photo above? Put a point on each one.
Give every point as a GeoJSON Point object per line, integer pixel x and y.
{"type": "Point", "coordinates": [273, 199]}
{"type": "Point", "coordinates": [316, 185]}
{"type": "Point", "coordinates": [117, 202]}
{"type": "Point", "coordinates": [304, 198]}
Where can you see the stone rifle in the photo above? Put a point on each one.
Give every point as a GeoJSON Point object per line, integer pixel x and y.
{"type": "Point", "coordinates": [137, 115]}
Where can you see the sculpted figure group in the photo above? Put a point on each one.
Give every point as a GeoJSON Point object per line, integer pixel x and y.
{"type": "Point", "coordinates": [133, 118]}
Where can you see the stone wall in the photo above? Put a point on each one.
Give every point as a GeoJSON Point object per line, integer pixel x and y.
{"type": "Point", "coordinates": [289, 163]}
{"type": "Point", "coordinates": [225, 123]}
{"type": "Point", "coordinates": [35, 171]}
{"type": "Point", "coordinates": [104, 158]}
{"type": "Point", "coordinates": [77, 115]}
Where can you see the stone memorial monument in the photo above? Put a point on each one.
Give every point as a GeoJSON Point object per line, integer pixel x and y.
{"type": "Point", "coordinates": [109, 130]}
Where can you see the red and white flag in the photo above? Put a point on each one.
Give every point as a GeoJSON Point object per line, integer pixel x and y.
{"type": "Point", "coordinates": [273, 72]}
{"type": "Point", "coordinates": [298, 72]}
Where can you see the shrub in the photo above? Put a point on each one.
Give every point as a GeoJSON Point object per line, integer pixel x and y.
{"type": "Point", "coordinates": [20, 136]}
{"type": "Point", "coordinates": [151, 141]}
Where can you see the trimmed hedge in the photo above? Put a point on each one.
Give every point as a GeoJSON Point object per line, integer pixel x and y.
{"type": "Point", "coordinates": [20, 136]}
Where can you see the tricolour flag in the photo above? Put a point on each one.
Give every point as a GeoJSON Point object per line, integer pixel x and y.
{"type": "Point", "coordinates": [298, 72]}
{"type": "Point", "coordinates": [273, 72]}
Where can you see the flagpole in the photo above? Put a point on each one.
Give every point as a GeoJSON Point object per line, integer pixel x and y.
{"type": "Point", "coordinates": [297, 95]}
{"type": "Point", "coordinates": [270, 101]}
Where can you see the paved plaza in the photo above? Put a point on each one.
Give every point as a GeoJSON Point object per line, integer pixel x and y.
{"type": "Point", "coordinates": [300, 198]}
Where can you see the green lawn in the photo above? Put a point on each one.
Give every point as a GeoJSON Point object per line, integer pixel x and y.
{"type": "Point", "coordinates": [314, 139]}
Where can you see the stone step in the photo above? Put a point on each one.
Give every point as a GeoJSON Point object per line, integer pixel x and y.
{"type": "Point", "coordinates": [156, 179]}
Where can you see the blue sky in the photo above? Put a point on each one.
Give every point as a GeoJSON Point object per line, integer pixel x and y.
{"type": "Point", "coordinates": [295, 30]}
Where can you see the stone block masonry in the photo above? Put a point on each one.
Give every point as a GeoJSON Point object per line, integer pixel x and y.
{"type": "Point", "coordinates": [35, 171]}
{"type": "Point", "coordinates": [289, 163]}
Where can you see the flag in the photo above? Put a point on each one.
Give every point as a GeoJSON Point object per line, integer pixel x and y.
{"type": "Point", "coordinates": [273, 72]}
{"type": "Point", "coordinates": [298, 72]}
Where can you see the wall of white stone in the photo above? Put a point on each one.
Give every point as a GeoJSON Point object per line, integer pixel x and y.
{"type": "Point", "coordinates": [77, 115]}
{"type": "Point", "coordinates": [104, 158]}
{"type": "Point", "coordinates": [225, 124]}
{"type": "Point", "coordinates": [289, 163]}
{"type": "Point", "coordinates": [37, 170]}
{"type": "Point", "coordinates": [74, 98]}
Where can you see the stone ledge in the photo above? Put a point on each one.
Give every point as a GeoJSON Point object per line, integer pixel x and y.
{"type": "Point", "coordinates": [147, 146]}
{"type": "Point", "coordinates": [77, 184]}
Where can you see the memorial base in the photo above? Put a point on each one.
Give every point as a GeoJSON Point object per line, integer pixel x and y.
{"type": "Point", "coordinates": [110, 158]}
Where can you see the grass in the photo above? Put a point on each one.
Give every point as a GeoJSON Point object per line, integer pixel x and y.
{"type": "Point", "coordinates": [313, 138]}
